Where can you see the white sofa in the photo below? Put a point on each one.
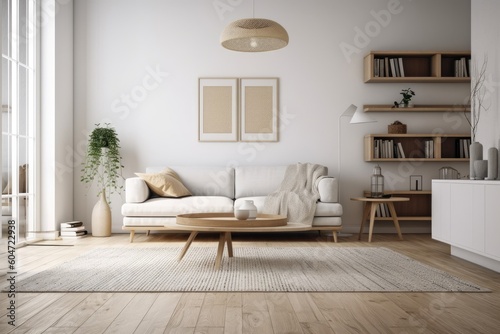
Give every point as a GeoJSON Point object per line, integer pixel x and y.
{"type": "Point", "coordinates": [219, 189]}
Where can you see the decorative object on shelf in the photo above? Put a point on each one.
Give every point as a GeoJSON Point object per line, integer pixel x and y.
{"type": "Point", "coordinates": [254, 35]}
{"type": "Point", "coordinates": [377, 182]}
{"type": "Point", "coordinates": [476, 153]}
{"type": "Point", "coordinates": [406, 100]}
{"type": "Point", "coordinates": [416, 182]}
{"type": "Point", "coordinates": [396, 127]}
{"type": "Point", "coordinates": [492, 163]}
{"type": "Point", "coordinates": [448, 173]}
{"type": "Point", "coordinates": [480, 169]}
{"type": "Point", "coordinates": [103, 164]}
{"type": "Point", "coordinates": [250, 207]}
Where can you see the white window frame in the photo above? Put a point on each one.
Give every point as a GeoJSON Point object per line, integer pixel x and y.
{"type": "Point", "coordinates": [30, 137]}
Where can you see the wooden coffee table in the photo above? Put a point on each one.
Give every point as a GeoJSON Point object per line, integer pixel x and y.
{"type": "Point", "coordinates": [226, 223]}
{"type": "Point", "coordinates": [371, 208]}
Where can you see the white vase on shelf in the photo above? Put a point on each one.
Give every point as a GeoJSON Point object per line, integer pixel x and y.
{"type": "Point", "coordinates": [101, 217]}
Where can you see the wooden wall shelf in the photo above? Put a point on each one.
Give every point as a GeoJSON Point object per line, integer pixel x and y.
{"type": "Point", "coordinates": [416, 108]}
{"type": "Point", "coordinates": [419, 66]}
{"type": "Point", "coordinates": [445, 147]}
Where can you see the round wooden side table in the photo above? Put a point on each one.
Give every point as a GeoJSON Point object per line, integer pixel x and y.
{"type": "Point", "coordinates": [370, 208]}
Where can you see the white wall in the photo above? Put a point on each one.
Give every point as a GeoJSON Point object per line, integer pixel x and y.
{"type": "Point", "coordinates": [119, 42]}
{"type": "Point", "coordinates": [485, 30]}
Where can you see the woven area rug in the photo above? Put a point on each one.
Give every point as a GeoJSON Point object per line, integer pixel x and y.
{"type": "Point", "coordinates": [251, 269]}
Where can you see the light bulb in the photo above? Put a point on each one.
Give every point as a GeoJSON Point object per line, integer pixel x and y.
{"type": "Point", "coordinates": [253, 43]}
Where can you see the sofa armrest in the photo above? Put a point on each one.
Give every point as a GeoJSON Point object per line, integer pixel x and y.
{"type": "Point", "coordinates": [136, 190]}
{"type": "Point", "coordinates": [328, 189]}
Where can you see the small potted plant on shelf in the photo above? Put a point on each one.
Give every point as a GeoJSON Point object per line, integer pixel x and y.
{"type": "Point", "coordinates": [103, 164]}
{"type": "Point", "coordinates": [406, 100]}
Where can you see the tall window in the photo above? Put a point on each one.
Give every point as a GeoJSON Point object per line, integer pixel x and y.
{"type": "Point", "coordinates": [19, 111]}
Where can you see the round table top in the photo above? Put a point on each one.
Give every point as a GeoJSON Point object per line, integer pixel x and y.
{"type": "Point", "coordinates": [380, 199]}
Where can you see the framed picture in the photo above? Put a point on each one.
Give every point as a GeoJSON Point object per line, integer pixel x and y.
{"type": "Point", "coordinates": [259, 109]}
{"type": "Point", "coordinates": [415, 182]}
{"type": "Point", "coordinates": [218, 109]}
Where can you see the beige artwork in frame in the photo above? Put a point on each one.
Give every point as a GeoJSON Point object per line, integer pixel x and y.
{"type": "Point", "coordinates": [218, 109]}
{"type": "Point", "coordinates": [259, 109]}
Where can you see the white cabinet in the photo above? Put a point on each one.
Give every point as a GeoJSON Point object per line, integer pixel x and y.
{"type": "Point", "coordinates": [466, 215]}
{"type": "Point", "coordinates": [441, 206]}
{"type": "Point", "coordinates": [492, 221]}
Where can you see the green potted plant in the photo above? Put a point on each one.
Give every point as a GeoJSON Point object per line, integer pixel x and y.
{"type": "Point", "coordinates": [103, 164]}
{"type": "Point", "coordinates": [406, 100]}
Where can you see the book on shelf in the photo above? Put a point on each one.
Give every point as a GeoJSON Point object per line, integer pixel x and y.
{"type": "Point", "coordinates": [462, 67]}
{"type": "Point", "coordinates": [72, 224]}
{"type": "Point", "coordinates": [401, 69]}
{"type": "Point", "coordinates": [393, 67]}
{"type": "Point", "coordinates": [382, 210]}
{"type": "Point", "coordinates": [429, 149]}
{"type": "Point", "coordinates": [401, 151]}
{"type": "Point", "coordinates": [386, 66]}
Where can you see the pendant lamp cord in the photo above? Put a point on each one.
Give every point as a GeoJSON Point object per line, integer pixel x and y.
{"type": "Point", "coordinates": [253, 8]}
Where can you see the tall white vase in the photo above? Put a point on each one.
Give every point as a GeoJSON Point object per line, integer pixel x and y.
{"type": "Point", "coordinates": [101, 217]}
{"type": "Point", "coordinates": [476, 153]}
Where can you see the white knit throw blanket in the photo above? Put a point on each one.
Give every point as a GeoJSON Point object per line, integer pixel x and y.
{"type": "Point", "coordinates": [297, 195]}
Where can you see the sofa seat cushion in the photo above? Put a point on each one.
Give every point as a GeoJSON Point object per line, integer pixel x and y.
{"type": "Point", "coordinates": [328, 210]}
{"type": "Point", "coordinates": [326, 222]}
{"type": "Point", "coordinates": [169, 207]}
{"type": "Point", "coordinates": [322, 209]}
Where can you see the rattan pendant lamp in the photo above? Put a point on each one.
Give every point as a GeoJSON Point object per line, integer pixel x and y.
{"type": "Point", "coordinates": [254, 35]}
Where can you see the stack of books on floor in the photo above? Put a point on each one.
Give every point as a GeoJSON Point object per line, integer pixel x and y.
{"type": "Point", "coordinates": [73, 230]}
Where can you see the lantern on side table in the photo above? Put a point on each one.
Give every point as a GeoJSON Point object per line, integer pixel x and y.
{"type": "Point", "coordinates": [377, 182]}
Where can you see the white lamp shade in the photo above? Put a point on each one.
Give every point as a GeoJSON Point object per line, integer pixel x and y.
{"type": "Point", "coordinates": [357, 117]}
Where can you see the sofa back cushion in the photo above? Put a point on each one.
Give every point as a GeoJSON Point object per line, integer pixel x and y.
{"type": "Point", "coordinates": [257, 180]}
{"type": "Point", "coordinates": [203, 181]}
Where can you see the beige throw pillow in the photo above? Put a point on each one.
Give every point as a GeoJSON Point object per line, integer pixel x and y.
{"type": "Point", "coordinates": [166, 183]}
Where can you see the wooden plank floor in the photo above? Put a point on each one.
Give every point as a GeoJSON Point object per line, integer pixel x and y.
{"type": "Point", "coordinates": [261, 313]}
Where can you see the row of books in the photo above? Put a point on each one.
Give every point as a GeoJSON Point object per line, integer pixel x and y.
{"type": "Point", "coordinates": [462, 67]}
{"type": "Point", "coordinates": [386, 148]}
{"type": "Point", "coordinates": [383, 210]}
{"type": "Point", "coordinates": [462, 148]}
{"type": "Point", "coordinates": [73, 230]}
{"type": "Point", "coordinates": [389, 67]}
